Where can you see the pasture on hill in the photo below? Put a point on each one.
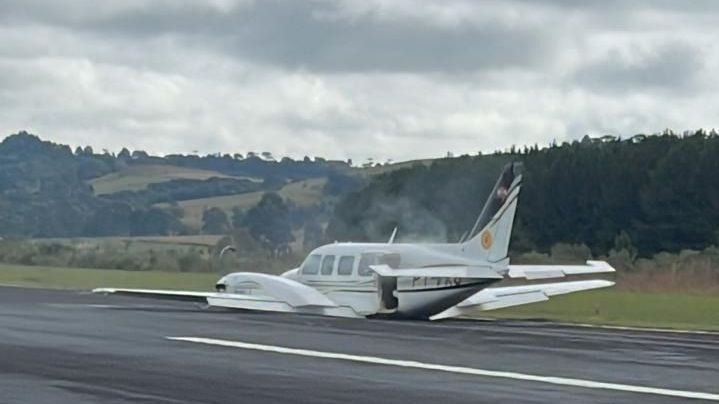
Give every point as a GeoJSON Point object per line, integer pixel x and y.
{"type": "Point", "coordinates": [138, 177]}
{"type": "Point", "coordinates": [302, 193]}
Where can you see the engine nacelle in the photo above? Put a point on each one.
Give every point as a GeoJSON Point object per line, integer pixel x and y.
{"type": "Point", "coordinates": [275, 287]}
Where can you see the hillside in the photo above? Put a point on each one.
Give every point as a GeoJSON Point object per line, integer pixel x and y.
{"type": "Point", "coordinates": [643, 195]}
{"type": "Point", "coordinates": [49, 190]}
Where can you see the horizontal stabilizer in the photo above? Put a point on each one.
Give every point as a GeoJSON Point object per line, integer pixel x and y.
{"type": "Point", "coordinates": [438, 272]}
{"type": "Point", "coordinates": [508, 296]}
{"type": "Point", "coordinates": [532, 272]}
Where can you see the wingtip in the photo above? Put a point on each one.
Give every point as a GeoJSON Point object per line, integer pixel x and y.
{"type": "Point", "coordinates": [601, 264]}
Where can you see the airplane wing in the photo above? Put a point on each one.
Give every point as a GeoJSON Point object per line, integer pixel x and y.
{"type": "Point", "coordinates": [508, 296]}
{"type": "Point", "coordinates": [158, 294]}
{"type": "Point", "coordinates": [438, 272]}
{"type": "Point", "coordinates": [259, 292]}
{"type": "Point", "coordinates": [532, 272]}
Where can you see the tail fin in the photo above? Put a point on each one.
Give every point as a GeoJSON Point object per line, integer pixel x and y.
{"type": "Point", "coordinates": [489, 238]}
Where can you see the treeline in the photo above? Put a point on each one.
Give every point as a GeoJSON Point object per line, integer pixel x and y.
{"type": "Point", "coordinates": [645, 194]}
{"type": "Point", "coordinates": [142, 255]}
{"type": "Point", "coordinates": [260, 237]}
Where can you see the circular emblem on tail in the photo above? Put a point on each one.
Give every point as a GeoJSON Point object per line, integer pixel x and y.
{"type": "Point", "coordinates": [486, 239]}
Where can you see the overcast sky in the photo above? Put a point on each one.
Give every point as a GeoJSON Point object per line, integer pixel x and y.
{"type": "Point", "coordinates": [353, 79]}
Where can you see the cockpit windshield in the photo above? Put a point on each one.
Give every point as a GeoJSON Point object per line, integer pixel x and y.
{"type": "Point", "coordinates": [311, 266]}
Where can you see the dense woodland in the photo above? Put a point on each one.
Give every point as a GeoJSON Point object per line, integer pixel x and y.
{"type": "Point", "coordinates": [644, 194]}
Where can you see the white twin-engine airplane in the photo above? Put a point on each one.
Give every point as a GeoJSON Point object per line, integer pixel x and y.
{"type": "Point", "coordinates": [427, 281]}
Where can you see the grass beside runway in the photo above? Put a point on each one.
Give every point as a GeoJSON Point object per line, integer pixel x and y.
{"type": "Point", "coordinates": [83, 278]}
{"type": "Point", "coordinates": [606, 307]}
{"type": "Point", "coordinates": [616, 307]}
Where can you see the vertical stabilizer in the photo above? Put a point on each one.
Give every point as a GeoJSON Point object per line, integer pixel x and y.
{"type": "Point", "coordinates": [489, 238]}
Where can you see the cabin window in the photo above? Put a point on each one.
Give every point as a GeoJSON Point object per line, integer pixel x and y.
{"type": "Point", "coordinates": [328, 263]}
{"type": "Point", "coordinates": [311, 265]}
{"type": "Point", "coordinates": [365, 261]}
{"type": "Point", "coordinates": [391, 259]}
{"type": "Point", "coordinates": [345, 266]}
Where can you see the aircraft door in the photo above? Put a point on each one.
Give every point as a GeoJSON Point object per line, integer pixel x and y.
{"type": "Point", "coordinates": [387, 285]}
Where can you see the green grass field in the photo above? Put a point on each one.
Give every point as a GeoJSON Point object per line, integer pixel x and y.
{"type": "Point", "coordinates": [303, 193]}
{"type": "Point", "coordinates": [138, 177]}
{"type": "Point", "coordinates": [85, 279]}
{"type": "Point", "coordinates": [608, 307]}
{"type": "Point", "coordinates": [616, 307]}
{"type": "Point", "coordinates": [139, 245]}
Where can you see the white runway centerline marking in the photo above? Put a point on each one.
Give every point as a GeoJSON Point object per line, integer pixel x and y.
{"type": "Point", "coordinates": [563, 381]}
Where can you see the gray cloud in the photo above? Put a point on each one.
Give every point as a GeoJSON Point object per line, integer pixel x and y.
{"type": "Point", "coordinates": [310, 35]}
{"type": "Point", "coordinates": [353, 78]}
{"type": "Point", "coordinates": [296, 38]}
{"type": "Point", "coordinates": [672, 67]}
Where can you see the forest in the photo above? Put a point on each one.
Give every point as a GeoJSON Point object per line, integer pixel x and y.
{"type": "Point", "coordinates": [644, 194]}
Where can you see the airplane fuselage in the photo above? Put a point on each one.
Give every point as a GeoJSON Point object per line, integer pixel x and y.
{"type": "Point", "coordinates": [341, 272]}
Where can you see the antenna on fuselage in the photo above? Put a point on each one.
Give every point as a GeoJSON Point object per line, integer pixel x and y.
{"type": "Point", "coordinates": [394, 234]}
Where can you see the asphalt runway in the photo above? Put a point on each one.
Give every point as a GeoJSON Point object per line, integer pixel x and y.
{"type": "Point", "coordinates": [73, 347]}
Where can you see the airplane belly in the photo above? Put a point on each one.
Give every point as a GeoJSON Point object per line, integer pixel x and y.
{"type": "Point", "coordinates": [424, 302]}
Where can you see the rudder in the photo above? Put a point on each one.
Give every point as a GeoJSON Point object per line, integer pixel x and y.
{"type": "Point", "coordinates": [489, 237]}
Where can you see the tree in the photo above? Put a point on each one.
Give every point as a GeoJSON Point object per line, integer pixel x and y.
{"type": "Point", "coordinates": [139, 154]}
{"type": "Point", "coordinates": [269, 224]}
{"type": "Point", "coordinates": [109, 220]}
{"type": "Point", "coordinates": [154, 221]}
{"type": "Point", "coordinates": [214, 221]}
{"type": "Point", "coordinates": [623, 242]}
